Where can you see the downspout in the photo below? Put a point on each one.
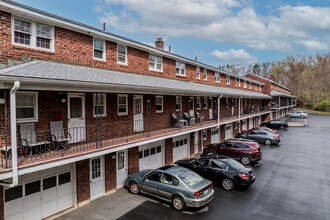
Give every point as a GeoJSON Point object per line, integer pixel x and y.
{"type": "Point", "coordinates": [13, 134]}
{"type": "Point", "coordinates": [239, 114]}
{"type": "Point", "coordinates": [219, 97]}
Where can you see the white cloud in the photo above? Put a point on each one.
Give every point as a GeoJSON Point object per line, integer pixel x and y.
{"type": "Point", "coordinates": [225, 21]}
{"type": "Point", "coordinates": [313, 45]}
{"type": "Point", "coordinates": [234, 56]}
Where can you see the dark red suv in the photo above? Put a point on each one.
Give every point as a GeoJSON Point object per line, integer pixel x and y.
{"type": "Point", "coordinates": [246, 151]}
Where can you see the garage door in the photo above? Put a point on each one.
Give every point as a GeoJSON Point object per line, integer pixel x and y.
{"type": "Point", "coordinates": [215, 136]}
{"type": "Point", "coordinates": [250, 123]}
{"type": "Point", "coordinates": [40, 194]}
{"type": "Point", "coordinates": [180, 147]}
{"type": "Point", "coordinates": [244, 125]}
{"type": "Point", "coordinates": [152, 155]}
{"type": "Point", "coordinates": [228, 131]}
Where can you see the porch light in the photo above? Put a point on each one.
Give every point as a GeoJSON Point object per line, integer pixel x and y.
{"type": "Point", "coordinates": [113, 157]}
{"type": "Point", "coordinates": [2, 97]}
{"type": "Point", "coordinates": [62, 97]}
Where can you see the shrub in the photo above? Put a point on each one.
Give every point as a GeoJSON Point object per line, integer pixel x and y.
{"type": "Point", "coordinates": [323, 106]}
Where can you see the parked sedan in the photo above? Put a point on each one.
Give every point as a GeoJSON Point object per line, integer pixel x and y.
{"type": "Point", "coordinates": [246, 151]}
{"type": "Point", "coordinates": [297, 114]}
{"type": "Point", "coordinates": [178, 185]}
{"type": "Point", "coordinates": [221, 170]}
{"type": "Point", "coordinates": [261, 136]}
{"type": "Point", "coordinates": [260, 128]}
{"type": "Point", "coordinates": [275, 124]}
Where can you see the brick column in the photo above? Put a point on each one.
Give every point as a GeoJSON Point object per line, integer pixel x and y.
{"type": "Point", "coordinates": [133, 160]}
{"type": "Point", "coordinates": [168, 151]}
{"type": "Point", "coordinates": [222, 133]}
{"type": "Point", "coordinates": [110, 173]}
{"type": "Point", "coordinates": [83, 185]}
{"type": "Point", "coordinates": [192, 144]}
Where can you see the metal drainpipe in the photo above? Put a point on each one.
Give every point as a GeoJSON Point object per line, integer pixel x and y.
{"type": "Point", "coordinates": [219, 97]}
{"type": "Point", "coordinates": [239, 114]}
{"type": "Point", "coordinates": [13, 134]}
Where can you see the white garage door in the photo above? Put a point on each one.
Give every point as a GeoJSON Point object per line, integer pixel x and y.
{"type": "Point", "coordinates": [244, 125]}
{"type": "Point", "coordinates": [215, 136]}
{"type": "Point", "coordinates": [152, 156]}
{"type": "Point", "coordinates": [40, 194]}
{"type": "Point", "coordinates": [250, 123]}
{"type": "Point", "coordinates": [180, 147]}
{"type": "Point", "coordinates": [228, 131]}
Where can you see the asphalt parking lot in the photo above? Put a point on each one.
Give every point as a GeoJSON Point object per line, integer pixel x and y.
{"type": "Point", "coordinates": [293, 182]}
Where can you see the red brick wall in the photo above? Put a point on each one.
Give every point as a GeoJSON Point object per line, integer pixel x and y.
{"type": "Point", "coordinates": [268, 85]}
{"type": "Point", "coordinates": [83, 185]}
{"type": "Point", "coordinates": [192, 144]}
{"type": "Point", "coordinates": [133, 160]}
{"type": "Point", "coordinates": [110, 173]}
{"type": "Point", "coordinates": [168, 151]}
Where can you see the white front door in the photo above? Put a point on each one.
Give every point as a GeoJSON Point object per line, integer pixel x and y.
{"type": "Point", "coordinates": [244, 125]}
{"type": "Point", "coordinates": [76, 117]}
{"type": "Point", "coordinates": [211, 108]}
{"type": "Point", "coordinates": [191, 107]}
{"type": "Point", "coordinates": [228, 131]}
{"type": "Point", "coordinates": [138, 113]}
{"type": "Point", "coordinates": [215, 137]}
{"type": "Point", "coordinates": [250, 123]}
{"type": "Point", "coordinates": [96, 177]}
{"type": "Point", "coordinates": [196, 142]}
{"type": "Point", "coordinates": [122, 172]}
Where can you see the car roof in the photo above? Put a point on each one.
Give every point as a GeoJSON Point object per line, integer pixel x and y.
{"type": "Point", "coordinates": [173, 170]}
{"type": "Point", "coordinates": [239, 140]}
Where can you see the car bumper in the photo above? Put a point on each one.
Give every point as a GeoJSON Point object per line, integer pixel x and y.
{"type": "Point", "coordinates": [196, 203]}
{"type": "Point", "coordinates": [245, 182]}
{"type": "Point", "coordinates": [276, 141]}
{"type": "Point", "coordinates": [256, 159]}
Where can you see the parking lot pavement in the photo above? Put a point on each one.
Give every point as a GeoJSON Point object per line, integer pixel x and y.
{"type": "Point", "coordinates": [293, 182]}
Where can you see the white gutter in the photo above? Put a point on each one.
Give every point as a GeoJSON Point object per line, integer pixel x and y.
{"type": "Point", "coordinates": [13, 134]}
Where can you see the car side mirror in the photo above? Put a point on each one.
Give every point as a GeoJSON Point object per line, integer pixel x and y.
{"type": "Point", "coordinates": [194, 165]}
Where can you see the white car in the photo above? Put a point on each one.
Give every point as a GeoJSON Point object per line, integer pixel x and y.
{"type": "Point", "coordinates": [297, 114]}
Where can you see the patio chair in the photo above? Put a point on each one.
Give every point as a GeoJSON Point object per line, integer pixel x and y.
{"type": "Point", "coordinates": [176, 122]}
{"type": "Point", "coordinates": [29, 140]}
{"type": "Point", "coordinates": [58, 135]}
{"type": "Point", "coordinates": [190, 119]}
{"type": "Point", "coordinates": [199, 117]}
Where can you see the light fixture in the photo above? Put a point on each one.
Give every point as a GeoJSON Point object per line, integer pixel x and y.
{"type": "Point", "coordinates": [113, 157]}
{"type": "Point", "coordinates": [62, 97]}
{"type": "Point", "coordinates": [2, 97]}
{"type": "Point", "coordinates": [148, 100]}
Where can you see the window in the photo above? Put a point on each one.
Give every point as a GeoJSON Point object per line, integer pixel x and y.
{"type": "Point", "coordinates": [146, 153]}
{"type": "Point", "coordinates": [250, 86]}
{"type": "Point", "coordinates": [198, 103]}
{"type": "Point", "coordinates": [205, 102]}
{"type": "Point", "coordinates": [122, 105]}
{"type": "Point", "coordinates": [122, 54]}
{"type": "Point", "coordinates": [154, 176]}
{"type": "Point", "coordinates": [99, 49]}
{"type": "Point", "coordinates": [235, 81]}
{"type": "Point", "coordinates": [204, 135]}
{"type": "Point", "coordinates": [244, 84]}
{"type": "Point", "coordinates": [152, 151]}
{"type": "Point", "coordinates": [140, 154]}
{"type": "Point", "coordinates": [26, 106]}
{"type": "Point", "coordinates": [198, 72]}
{"type": "Point", "coordinates": [159, 104]}
{"type": "Point", "coordinates": [227, 103]}
{"type": "Point", "coordinates": [239, 82]}
{"type": "Point", "coordinates": [32, 34]}
{"type": "Point", "coordinates": [217, 77]}
{"type": "Point", "coordinates": [99, 105]}
{"type": "Point", "coordinates": [228, 80]}
{"type": "Point", "coordinates": [32, 187]}
{"type": "Point", "coordinates": [202, 162]}
{"type": "Point", "coordinates": [178, 103]}
{"type": "Point", "coordinates": [180, 69]}
{"type": "Point", "coordinates": [159, 149]}
{"type": "Point", "coordinates": [64, 178]}
{"type": "Point", "coordinates": [205, 74]}
{"type": "Point", "coordinates": [190, 178]}
{"type": "Point", "coordinates": [167, 179]}
{"type": "Point", "coordinates": [155, 63]}
{"type": "Point", "coordinates": [13, 193]}
{"type": "Point", "coordinates": [49, 182]}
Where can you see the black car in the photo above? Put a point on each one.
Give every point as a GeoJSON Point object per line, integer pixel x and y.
{"type": "Point", "coordinates": [221, 170]}
{"type": "Point", "coordinates": [260, 136]}
{"type": "Point", "coordinates": [278, 124]}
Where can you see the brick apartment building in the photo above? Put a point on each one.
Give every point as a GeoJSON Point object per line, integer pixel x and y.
{"type": "Point", "coordinates": [92, 107]}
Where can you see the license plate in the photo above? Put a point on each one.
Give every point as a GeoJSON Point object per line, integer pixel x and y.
{"type": "Point", "coordinates": [207, 191]}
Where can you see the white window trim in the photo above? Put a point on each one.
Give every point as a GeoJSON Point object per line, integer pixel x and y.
{"type": "Point", "coordinates": [235, 81]}
{"type": "Point", "coordinates": [198, 73]}
{"type": "Point", "coordinates": [104, 97]}
{"type": "Point", "coordinates": [122, 113]}
{"type": "Point", "coordinates": [33, 39]}
{"type": "Point", "coordinates": [205, 74]}
{"type": "Point", "coordinates": [180, 69]}
{"type": "Point", "coordinates": [198, 100]}
{"type": "Point", "coordinates": [104, 50]}
{"type": "Point", "coordinates": [245, 84]}
{"type": "Point", "coordinates": [159, 111]}
{"type": "Point", "coordinates": [227, 80]}
{"type": "Point", "coordinates": [35, 118]}
{"type": "Point", "coordinates": [205, 103]}
{"type": "Point", "coordinates": [217, 79]}
{"type": "Point", "coordinates": [176, 102]}
{"type": "Point", "coordinates": [126, 57]}
{"type": "Point", "coordinates": [155, 69]}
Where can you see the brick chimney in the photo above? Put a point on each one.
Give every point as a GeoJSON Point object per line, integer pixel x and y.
{"type": "Point", "coordinates": [159, 43]}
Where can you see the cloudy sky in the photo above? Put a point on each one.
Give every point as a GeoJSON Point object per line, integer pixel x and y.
{"type": "Point", "coordinates": [218, 32]}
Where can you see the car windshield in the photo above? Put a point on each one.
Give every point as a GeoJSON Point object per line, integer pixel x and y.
{"type": "Point", "coordinates": [190, 178]}
{"type": "Point", "coordinates": [234, 164]}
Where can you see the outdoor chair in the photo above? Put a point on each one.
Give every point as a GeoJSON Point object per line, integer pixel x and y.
{"type": "Point", "coordinates": [175, 121]}
{"type": "Point", "coordinates": [199, 117]}
{"type": "Point", "coordinates": [188, 118]}
{"type": "Point", "coordinates": [58, 136]}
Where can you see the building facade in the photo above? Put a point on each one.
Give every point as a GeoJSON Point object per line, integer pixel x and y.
{"type": "Point", "coordinates": [82, 108]}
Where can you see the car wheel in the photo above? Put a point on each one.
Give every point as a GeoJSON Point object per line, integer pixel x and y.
{"type": "Point", "coordinates": [282, 127]}
{"type": "Point", "coordinates": [210, 153]}
{"type": "Point", "coordinates": [178, 203]}
{"type": "Point", "coordinates": [268, 142]}
{"type": "Point", "coordinates": [245, 159]}
{"type": "Point", "coordinates": [228, 184]}
{"type": "Point", "coordinates": [134, 188]}
{"type": "Point", "coordinates": [302, 116]}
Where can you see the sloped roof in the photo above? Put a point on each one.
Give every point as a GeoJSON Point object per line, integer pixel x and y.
{"type": "Point", "coordinates": [277, 93]}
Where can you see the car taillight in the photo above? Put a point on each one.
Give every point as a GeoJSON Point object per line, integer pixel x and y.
{"type": "Point", "coordinates": [201, 192]}
{"type": "Point", "coordinates": [276, 137]}
{"type": "Point", "coordinates": [244, 176]}
{"type": "Point", "coordinates": [256, 149]}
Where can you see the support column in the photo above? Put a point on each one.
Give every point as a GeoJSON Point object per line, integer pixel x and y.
{"type": "Point", "coordinates": [168, 151]}
{"type": "Point", "coordinates": [82, 182]}
{"type": "Point", "coordinates": [110, 173]}
{"type": "Point", "coordinates": [133, 160]}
